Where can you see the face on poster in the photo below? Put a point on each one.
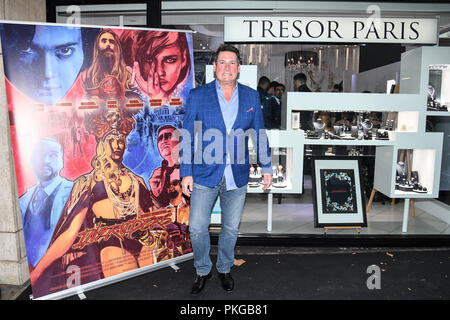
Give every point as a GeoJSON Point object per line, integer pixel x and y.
{"type": "Point", "coordinates": [93, 114]}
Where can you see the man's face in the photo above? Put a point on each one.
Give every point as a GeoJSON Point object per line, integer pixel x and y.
{"type": "Point", "coordinates": [47, 160]}
{"type": "Point", "coordinates": [279, 91]}
{"type": "Point", "coordinates": [227, 67]}
{"type": "Point", "coordinates": [47, 67]}
{"type": "Point", "coordinates": [113, 118]}
{"type": "Point", "coordinates": [167, 143]}
{"type": "Point", "coordinates": [106, 45]}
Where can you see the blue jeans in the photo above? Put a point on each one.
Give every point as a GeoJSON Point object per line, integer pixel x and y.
{"type": "Point", "coordinates": [202, 202]}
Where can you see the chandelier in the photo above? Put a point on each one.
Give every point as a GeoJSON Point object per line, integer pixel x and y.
{"type": "Point", "coordinates": [300, 60]}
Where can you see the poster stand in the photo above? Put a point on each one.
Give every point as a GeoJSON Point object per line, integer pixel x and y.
{"type": "Point", "coordinates": [83, 126]}
{"type": "Point", "coordinates": [80, 290]}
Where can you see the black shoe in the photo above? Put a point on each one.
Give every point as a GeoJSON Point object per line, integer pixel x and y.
{"type": "Point", "coordinates": [226, 281]}
{"type": "Point", "coordinates": [199, 283]}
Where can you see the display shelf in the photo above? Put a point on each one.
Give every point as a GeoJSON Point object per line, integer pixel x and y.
{"type": "Point", "coordinates": [409, 108]}
{"type": "Point", "coordinates": [272, 189]}
{"type": "Point", "coordinates": [292, 142]}
{"type": "Point", "coordinates": [349, 142]}
{"type": "Point", "coordinates": [438, 113]}
{"type": "Point", "coordinates": [411, 195]}
{"type": "Point", "coordinates": [426, 152]}
{"type": "Point", "coordinates": [332, 101]}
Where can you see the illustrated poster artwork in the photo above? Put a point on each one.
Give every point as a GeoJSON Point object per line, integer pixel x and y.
{"type": "Point", "coordinates": [93, 114]}
{"type": "Point", "coordinates": [339, 194]}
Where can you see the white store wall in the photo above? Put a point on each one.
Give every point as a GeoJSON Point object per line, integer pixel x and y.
{"type": "Point", "coordinates": [375, 80]}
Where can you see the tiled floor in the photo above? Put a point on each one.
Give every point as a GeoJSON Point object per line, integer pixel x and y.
{"type": "Point", "coordinates": [295, 215]}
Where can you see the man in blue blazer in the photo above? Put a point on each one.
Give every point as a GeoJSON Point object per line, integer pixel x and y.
{"type": "Point", "coordinates": [220, 118]}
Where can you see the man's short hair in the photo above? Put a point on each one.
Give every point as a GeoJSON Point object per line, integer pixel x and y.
{"type": "Point", "coordinates": [300, 77]}
{"type": "Point", "coordinates": [227, 47]}
{"type": "Point", "coordinates": [338, 87]}
{"type": "Point", "coordinates": [281, 85]}
{"type": "Point", "coordinates": [273, 84]}
{"type": "Point", "coordinates": [263, 80]}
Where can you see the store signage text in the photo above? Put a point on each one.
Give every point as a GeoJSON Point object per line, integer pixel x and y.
{"type": "Point", "coordinates": [326, 29]}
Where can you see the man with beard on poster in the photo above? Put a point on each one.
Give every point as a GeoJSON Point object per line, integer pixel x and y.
{"type": "Point", "coordinates": [107, 60]}
{"type": "Point", "coordinates": [41, 206]}
{"type": "Point", "coordinates": [108, 197]}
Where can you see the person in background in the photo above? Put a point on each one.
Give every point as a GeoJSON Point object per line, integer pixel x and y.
{"type": "Point", "coordinates": [263, 86]}
{"type": "Point", "coordinates": [306, 117]}
{"type": "Point", "coordinates": [272, 108]}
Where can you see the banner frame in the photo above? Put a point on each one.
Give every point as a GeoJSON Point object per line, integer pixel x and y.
{"type": "Point", "coordinates": [80, 289]}
{"type": "Point", "coordinates": [114, 279]}
{"type": "Point", "coordinates": [39, 23]}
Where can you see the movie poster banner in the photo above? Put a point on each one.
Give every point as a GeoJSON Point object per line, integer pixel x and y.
{"type": "Point", "coordinates": [93, 115]}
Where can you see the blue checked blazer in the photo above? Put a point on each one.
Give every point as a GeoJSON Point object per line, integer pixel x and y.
{"type": "Point", "coordinates": [203, 107]}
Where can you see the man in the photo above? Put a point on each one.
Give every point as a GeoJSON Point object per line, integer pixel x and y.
{"type": "Point", "coordinates": [43, 62]}
{"type": "Point", "coordinates": [263, 86]}
{"type": "Point", "coordinates": [306, 117]}
{"type": "Point", "coordinates": [107, 60]}
{"type": "Point", "coordinates": [228, 108]}
{"type": "Point", "coordinates": [170, 168]}
{"type": "Point", "coordinates": [272, 107]}
{"type": "Point", "coordinates": [41, 206]}
{"type": "Point", "coordinates": [279, 91]}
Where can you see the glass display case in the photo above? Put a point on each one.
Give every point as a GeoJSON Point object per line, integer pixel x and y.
{"type": "Point", "coordinates": [344, 125]}
{"type": "Point", "coordinates": [414, 171]}
{"type": "Point", "coordinates": [281, 169]}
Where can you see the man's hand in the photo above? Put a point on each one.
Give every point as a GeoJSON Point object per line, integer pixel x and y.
{"type": "Point", "coordinates": [151, 87]}
{"type": "Point", "coordinates": [156, 181]}
{"type": "Point", "coordinates": [187, 185]}
{"type": "Point", "coordinates": [267, 181]}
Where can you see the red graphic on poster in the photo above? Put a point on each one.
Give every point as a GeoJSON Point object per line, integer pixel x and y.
{"type": "Point", "coordinates": [93, 113]}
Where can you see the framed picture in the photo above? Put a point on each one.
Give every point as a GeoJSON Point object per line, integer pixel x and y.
{"type": "Point", "coordinates": [337, 192]}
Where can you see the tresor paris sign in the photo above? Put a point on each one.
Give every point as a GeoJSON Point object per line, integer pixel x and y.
{"type": "Point", "coordinates": [328, 29]}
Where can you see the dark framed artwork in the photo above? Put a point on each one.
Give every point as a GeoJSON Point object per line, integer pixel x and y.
{"type": "Point", "coordinates": [337, 192]}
